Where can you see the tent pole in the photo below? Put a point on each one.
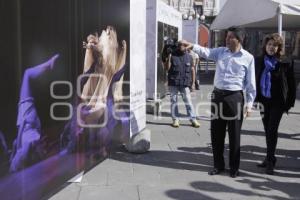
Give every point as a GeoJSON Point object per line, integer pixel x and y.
{"type": "Point", "coordinates": [279, 20]}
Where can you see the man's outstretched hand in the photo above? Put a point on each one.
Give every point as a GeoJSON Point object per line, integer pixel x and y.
{"type": "Point", "coordinates": [187, 44]}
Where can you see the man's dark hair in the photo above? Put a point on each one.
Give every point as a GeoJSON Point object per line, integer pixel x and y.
{"type": "Point", "coordinates": [238, 33]}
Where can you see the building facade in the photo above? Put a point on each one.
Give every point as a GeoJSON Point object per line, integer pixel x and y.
{"type": "Point", "coordinates": [203, 11]}
{"type": "Point", "coordinates": [183, 6]}
{"type": "Point", "coordinates": [209, 8]}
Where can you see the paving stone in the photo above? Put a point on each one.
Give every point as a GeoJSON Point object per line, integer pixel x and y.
{"type": "Point", "coordinates": [109, 192]}
{"type": "Point", "coordinates": [70, 192]}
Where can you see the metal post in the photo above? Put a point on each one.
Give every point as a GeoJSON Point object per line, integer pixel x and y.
{"type": "Point", "coordinates": [279, 20]}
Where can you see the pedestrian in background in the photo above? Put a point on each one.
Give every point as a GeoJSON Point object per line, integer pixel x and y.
{"type": "Point", "coordinates": [195, 81]}
{"type": "Point", "coordinates": [179, 66]}
{"type": "Point", "coordinates": [276, 93]}
{"type": "Point", "coordinates": [234, 73]}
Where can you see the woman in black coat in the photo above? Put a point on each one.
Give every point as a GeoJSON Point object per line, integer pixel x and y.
{"type": "Point", "coordinates": [276, 93]}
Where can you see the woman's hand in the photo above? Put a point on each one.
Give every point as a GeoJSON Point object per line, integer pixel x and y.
{"type": "Point", "coordinates": [247, 112]}
{"type": "Point", "coordinates": [91, 43]}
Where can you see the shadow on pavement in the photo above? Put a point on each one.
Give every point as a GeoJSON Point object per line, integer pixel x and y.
{"type": "Point", "coordinates": [169, 159]}
{"type": "Point", "coordinates": [287, 160]}
{"type": "Point", "coordinates": [290, 189]}
{"type": "Point", "coordinates": [249, 160]}
{"type": "Point", "coordinates": [280, 135]}
{"type": "Point", "coordinates": [294, 113]}
{"type": "Point", "coordinates": [181, 116]}
{"type": "Point", "coordinates": [266, 185]}
{"type": "Point", "coordinates": [287, 163]}
{"type": "Point", "coordinates": [200, 159]}
{"type": "Point", "coordinates": [187, 194]}
{"type": "Point", "coordinates": [168, 114]}
{"type": "Point", "coordinates": [166, 123]}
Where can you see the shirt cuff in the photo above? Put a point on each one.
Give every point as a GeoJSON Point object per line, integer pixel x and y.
{"type": "Point", "coordinates": [196, 47]}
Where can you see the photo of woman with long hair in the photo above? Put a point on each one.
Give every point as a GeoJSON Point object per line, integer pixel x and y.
{"type": "Point", "coordinates": [101, 83]}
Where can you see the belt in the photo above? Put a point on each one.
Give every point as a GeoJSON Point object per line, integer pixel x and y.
{"type": "Point", "coordinates": [225, 92]}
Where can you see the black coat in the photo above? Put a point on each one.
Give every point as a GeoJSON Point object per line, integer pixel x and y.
{"type": "Point", "coordinates": [287, 85]}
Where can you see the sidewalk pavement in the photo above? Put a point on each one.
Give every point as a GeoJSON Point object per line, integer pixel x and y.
{"type": "Point", "coordinates": [176, 166]}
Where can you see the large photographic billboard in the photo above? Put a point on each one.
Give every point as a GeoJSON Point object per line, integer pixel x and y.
{"type": "Point", "coordinates": [65, 65]}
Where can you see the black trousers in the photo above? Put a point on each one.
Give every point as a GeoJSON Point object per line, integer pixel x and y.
{"type": "Point", "coordinates": [271, 113]}
{"type": "Point", "coordinates": [227, 112]}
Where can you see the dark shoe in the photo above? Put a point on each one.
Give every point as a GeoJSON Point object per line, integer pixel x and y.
{"type": "Point", "coordinates": [234, 174]}
{"type": "Point", "coordinates": [262, 164]}
{"type": "Point", "coordinates": [215, 171]}
{"type": "Point", "coordinates": [269, 168]}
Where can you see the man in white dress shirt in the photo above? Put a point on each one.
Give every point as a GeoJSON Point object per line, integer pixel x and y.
{"type": "Point", "coordinates": [234, 74]}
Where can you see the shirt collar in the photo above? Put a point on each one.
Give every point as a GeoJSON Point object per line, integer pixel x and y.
{"type": "Point", "coordinates": [241, 51]}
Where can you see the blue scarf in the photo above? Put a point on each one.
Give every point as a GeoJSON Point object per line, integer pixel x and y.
{"type": "Point", "coordinates": [265, 81]}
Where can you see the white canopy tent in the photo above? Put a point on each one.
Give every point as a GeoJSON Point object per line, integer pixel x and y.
{"type": "Point", "coordinates": [259, 14]}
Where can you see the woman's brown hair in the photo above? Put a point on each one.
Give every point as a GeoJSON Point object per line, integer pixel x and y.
{"type": "Point", "coordinates": [278, 42]}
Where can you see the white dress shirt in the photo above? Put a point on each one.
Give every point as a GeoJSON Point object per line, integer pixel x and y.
{"type": "Point", "coordinates": [234, 71]}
